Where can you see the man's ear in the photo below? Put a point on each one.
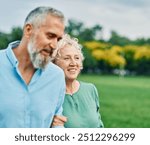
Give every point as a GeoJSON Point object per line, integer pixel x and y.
{"type": "Point", "coordinates": [28, 30]}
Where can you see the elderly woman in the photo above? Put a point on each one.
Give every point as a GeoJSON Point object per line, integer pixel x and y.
{"type": "Point", "coordinates": [81, 104]}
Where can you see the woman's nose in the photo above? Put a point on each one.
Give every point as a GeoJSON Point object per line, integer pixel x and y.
{"type": "Point", "coordinates": [73, 62]}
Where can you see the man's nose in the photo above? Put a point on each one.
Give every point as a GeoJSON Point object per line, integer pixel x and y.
{"type": "Point", "coordinates": [53, 43]}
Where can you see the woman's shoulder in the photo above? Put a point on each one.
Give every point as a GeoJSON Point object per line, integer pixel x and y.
{"type": "Point", "coordinates": [89, 89]}
{"type": "Point", "coordinates": [87, 85]}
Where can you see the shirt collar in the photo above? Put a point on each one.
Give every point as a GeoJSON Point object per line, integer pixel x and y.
{"type": "Point", "coordinates": [10, 54]}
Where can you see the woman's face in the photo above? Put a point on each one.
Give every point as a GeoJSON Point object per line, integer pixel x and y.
{"type": "Point", "coordinates": [70, 61]}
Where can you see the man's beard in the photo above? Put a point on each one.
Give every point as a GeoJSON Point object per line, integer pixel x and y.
{"type": "Point", "coordinates": [38, 60]}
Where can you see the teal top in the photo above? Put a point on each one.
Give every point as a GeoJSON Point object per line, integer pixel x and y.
{"type": "Point", "coordinates": [82, 108]}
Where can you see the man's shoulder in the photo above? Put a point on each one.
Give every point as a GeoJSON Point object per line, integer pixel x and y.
{"type": "Point", "coordinates": [53, 69]}
{"type": "Point", "coordinates": [53, 73]}
{"type": "Point", "coordinates": [2, 55]}
{"type": "Point", "coordinates": [2, 52]}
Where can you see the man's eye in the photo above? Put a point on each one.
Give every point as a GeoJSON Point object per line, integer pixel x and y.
{"type": "Point", "coordinates": [49, 36]}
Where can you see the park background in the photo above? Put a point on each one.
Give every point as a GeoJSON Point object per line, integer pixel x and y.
{"type": "Point", "coordinates": [117, 63]}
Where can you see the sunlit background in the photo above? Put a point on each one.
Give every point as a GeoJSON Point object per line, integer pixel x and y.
{"type": "Point", "coordinates": [116, 44]}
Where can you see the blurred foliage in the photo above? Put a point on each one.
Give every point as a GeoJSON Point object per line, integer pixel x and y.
{"type": "Point", "coordinates": [83, 33]}
{"type": "Point", "coordinates": [101, 56]}
{"type": "Point", "coordinates": [15, 34]}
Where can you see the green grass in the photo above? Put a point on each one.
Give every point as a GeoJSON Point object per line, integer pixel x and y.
{"type": "Point", "coordinates": [125, 102]}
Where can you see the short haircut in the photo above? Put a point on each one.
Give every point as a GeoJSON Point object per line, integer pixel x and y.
{"type": "Point", "coordinates": [38, 15]}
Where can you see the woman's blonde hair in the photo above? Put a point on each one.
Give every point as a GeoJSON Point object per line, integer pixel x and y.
{"type": "Point", "coordinates": [67, 40]}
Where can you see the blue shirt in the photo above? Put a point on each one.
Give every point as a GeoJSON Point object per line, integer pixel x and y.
{"type": "Point", "coordinates": [32, 105]}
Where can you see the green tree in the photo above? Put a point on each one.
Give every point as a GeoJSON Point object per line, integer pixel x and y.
{"type": "Point", "coordinates": [116, 39]}
{"type": "Point", "coordinates": [78, 29]}
{"type": "Point", "coordinates": [3, 40]}
{"type": "Point", "coordinates": [16, 34]}
{"type": "Point", "coordinates": [90, 63]}
{"type": "Point", "coordinates": [74, 28]}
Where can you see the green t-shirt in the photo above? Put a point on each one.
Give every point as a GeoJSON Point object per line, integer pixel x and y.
{"type": "Point", "coordinates": [82, 108]}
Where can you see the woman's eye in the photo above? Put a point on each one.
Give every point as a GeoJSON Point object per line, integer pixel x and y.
{"type": "Point", "coordinates": [66, 58]}
{"type": "Point", "coordinates": [77, 58]}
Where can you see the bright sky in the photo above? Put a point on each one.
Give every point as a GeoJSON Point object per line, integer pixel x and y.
{"type": "Point", "coordinates": [130, 18]}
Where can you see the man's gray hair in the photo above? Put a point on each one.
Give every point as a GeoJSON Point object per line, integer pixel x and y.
{"type": "Point", "coordinates": [36, 16]}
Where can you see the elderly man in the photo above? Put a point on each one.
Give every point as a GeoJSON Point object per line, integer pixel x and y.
{"type": "Point", "coordinates": [32, 88]}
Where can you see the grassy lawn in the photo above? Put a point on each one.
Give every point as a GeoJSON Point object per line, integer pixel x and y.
{"type": "Point", "coordinates": [125, 102]}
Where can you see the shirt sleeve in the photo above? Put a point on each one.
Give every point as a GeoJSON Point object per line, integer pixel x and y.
{"type": "Point", "coordinates": [98, 106]}
{"type": "Point", "coordinates": [59, 108]}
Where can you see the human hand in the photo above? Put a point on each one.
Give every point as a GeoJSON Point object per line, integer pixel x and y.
{"type": "Point", "coordinates": [58, 120]}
